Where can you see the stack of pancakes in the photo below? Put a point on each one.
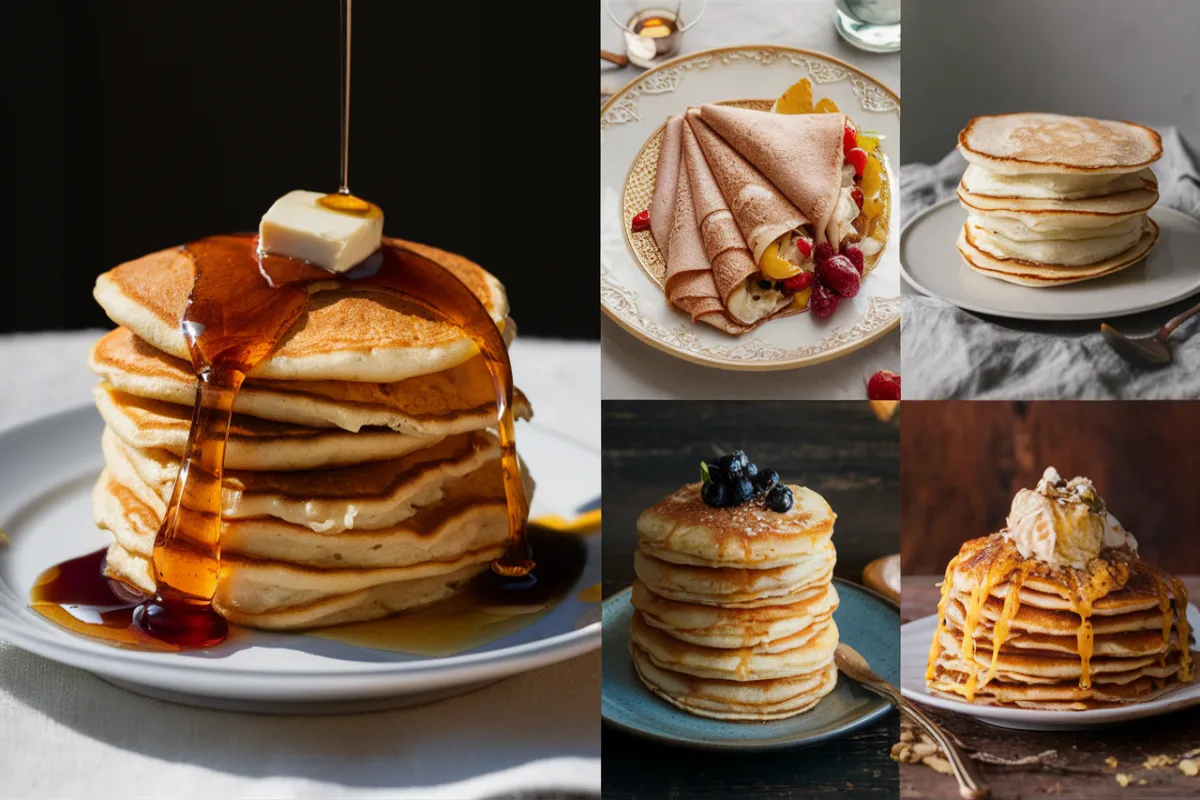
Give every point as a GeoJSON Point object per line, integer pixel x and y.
{"type": "Point", "coordinates": [1053, 200]}
{"type": "Point", "coordinates": [361, 477]}
{"type": "Point", "coordinates": [1020, 631]}
{"type": "Point", "coordinates": [734, 606]}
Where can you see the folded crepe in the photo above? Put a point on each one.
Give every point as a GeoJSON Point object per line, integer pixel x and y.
{"type": "Point", "coordinates": [800, 153]}
{"type": "Point", "coordinates": [734, 270]}
{"type": "Point", "coordinates": [689, 278]}
{"type": "Point", "coordinates": [762, 213]}
{"type": "Point", "coordinates": [666, 183]}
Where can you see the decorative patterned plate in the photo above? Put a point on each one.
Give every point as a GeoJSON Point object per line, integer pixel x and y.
{"type": "Point", "coordinates": [630, 124]}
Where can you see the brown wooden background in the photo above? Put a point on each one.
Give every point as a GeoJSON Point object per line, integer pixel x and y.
{"type": "Point", "coordinates": [962, 462]}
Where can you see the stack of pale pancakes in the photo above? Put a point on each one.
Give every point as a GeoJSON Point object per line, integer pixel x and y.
{"type": "Point", "coordinates": [1020, 631]}
{"type": "Point", "coordinates": [360, 475]}
{"type": "Point", "coordinates": [734, 606]}
{"type": "Point", "coordinates": [1054, 200]}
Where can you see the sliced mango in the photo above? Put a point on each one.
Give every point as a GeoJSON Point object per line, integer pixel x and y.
{"type": "Point", "coordinates": [872, 208]}
{"type": "Point", "coordinates": [826, 106]}
{"type": "Point", "coordinates": [797, 99]}
{"type": "Point", "coordinates": [868, 142]}
{"type": "Point", "coordinates": [872, 179]}
{"type": "Point", "coordinates": [775, 266]}
{"type": "Point", "coordinates": [800, 298]}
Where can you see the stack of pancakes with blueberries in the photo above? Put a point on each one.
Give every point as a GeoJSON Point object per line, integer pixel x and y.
{"type": "Point", "coordinates": [1053, 200]}
{"type": "Point", "coordinates": [734, 602]}
{"type": "Point", "coordinates": [361, 477]}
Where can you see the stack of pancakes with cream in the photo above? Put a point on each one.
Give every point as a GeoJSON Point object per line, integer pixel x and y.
{"type": "Point", "coordinates": [1053, 200]}
{"type": "Point", "coordinates": [361, 477]}
{"type": "Point", "coordinates": [1057, 611]}
{"type": "Point", "coordinates": [734, 606]}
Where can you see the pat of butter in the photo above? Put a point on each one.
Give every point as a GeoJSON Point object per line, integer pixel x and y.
{"type": "Point", "coordinates": [298, 225]}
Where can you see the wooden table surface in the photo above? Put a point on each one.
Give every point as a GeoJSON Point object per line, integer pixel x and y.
{"type": "Point", "coordinates": [1077, 769]}
{"type": "Point", "coordinates": [839, 449]}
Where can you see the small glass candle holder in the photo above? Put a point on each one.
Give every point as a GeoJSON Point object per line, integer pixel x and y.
{"type": "Point", "coordinates": [653, 30]}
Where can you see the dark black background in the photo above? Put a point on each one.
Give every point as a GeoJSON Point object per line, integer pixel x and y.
{"type": "Point", "coordinates": [134, 125]}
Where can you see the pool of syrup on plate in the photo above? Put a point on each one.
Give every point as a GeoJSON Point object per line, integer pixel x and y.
{"type": "Point", "coordinates": [77, 596]}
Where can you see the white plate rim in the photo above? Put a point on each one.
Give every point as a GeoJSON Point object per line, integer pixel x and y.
{"type": "Point", "coordinates": [20, 629]}
{"type": "Point", "coordinates": [1066, 316]}
{"type": "Point", "coordinates": [921, 630]}
{"type": "Point", "coordinates": [613, 293]}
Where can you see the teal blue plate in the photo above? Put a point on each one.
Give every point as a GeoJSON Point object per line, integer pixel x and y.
{"type": "Point", "coordinates": [866, 621]}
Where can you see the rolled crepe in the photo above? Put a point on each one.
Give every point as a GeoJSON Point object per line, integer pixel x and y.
{"type": "Point", "coordinates": [800, 153]}
{"type": "Point", "coordinates": [666, 183]}
{"type": "Point", "coordinates": [724, 245]}
{"type": "Point", "coordinates": [689, 278]}
{"type": "Point", "coordinates": [760, 210]}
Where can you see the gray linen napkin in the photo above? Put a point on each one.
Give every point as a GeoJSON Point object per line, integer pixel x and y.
{"type": "Point", "coordinates": [951, 353]}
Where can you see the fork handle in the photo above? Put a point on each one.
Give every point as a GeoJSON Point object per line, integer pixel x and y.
{"type": "Point", "coordinates": [971, 784]}
{"type": "Point", "coordinates": [1170, 327]}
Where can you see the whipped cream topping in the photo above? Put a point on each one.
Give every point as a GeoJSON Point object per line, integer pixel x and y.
{"type": "Point", "coordinates": [1064, 523]}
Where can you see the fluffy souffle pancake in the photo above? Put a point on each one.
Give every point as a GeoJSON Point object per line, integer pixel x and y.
{"type": "Point", "coordinates": [1053, 200]}
{"type": "Point", "coordinates": [343, 334]}
{"type": "Point", "coordinates": [683, 530]}
{"type": "Point", "coordinates": [1057, 611]}
{"type": "Point", "coordinates": [1038, 142]}
{"type": "Point", "coordinates": [460, 398]}
{"type": "Point", "coordinates": [734, 602]}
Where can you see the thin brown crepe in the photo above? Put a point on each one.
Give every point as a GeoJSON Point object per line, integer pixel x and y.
{"type": "Point", "coordinates": [689, 279]}
{"type": "Point", "coordinates": [666, 183]}
{"type": "Point", "coordinates": [727, 251]}
{"type": "Point", "coordinates": [761, 211]}
{"type": "Point", "coordinates": [800, 153]}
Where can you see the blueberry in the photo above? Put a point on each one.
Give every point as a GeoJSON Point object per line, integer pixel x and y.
{"type": "Point", "coordinates": [751, 471]}
{"type": "Point", "coordinates": [715, 494]}
{"type": "Point", "coordinates": [741, 490]}
{"type": "Point", "coordinates": [734, 464]}
{"type": "Point", "coordinates": [779, 499]}
{"type": "Point", "coordinates": [715, 473]}
{"type": "Point", "coordinates": [766, 480]}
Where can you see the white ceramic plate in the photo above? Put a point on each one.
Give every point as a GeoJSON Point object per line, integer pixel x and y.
{"type": "Point", "coordinates": [914, 653]}
{"type": "Point", "coordinates": [931, 263]}
{"type": "Point", "coordinates": [631, 117]}
{"type": "Point", "coordinates": [47, 469]}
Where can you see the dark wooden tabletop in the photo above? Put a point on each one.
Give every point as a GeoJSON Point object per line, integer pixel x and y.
{"type": "Point", "coordinates": [1077, 767]}
{"type": "Point", "coordinates": [838, 449]}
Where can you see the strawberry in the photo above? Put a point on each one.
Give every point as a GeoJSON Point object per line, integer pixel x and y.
{"type": "Point", "coordinates": [798, 282]}
{"type": "Point", "coordinates": [857, 157]}
{"type": "Point", "coordinates": [824, 252]}
{"type": "Point", "coordinates": [883, 385]}
{"type": "Point", "coordinates": [838, 274]}
{"type": "Point", "coordinates": [849, 137]}
{"type": "Point", "coordinates": [823, 301]}
{"type": "Point", "coordinates": [804, 246]}
{"type": "Point", "coordinates": [856, 257]}
{"type": "Point", "coordinates": [641, 222]}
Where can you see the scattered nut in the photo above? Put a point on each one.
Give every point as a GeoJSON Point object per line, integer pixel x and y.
{"type": "Point", "coordinates": [1189, 767]}
{"type": "Point", "coordinates": [1112, 762]}
{"type": "Point", "coordinates": [1122, 779]}
{"type": "Point", "coordinates": [1154, 762]}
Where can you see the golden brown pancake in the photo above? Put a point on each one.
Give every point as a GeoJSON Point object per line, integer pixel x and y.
{"type": "Point", "coordinates": [342, 335]}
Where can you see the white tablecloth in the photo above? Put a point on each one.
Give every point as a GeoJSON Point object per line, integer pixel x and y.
{"type": "Point", "coordinates": [633, 370]}
{"type": "Point", "coordinates": [66, 734]}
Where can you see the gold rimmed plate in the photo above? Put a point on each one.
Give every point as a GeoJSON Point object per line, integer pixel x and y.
{"type": "Point", "coordinates": [631, 267]}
